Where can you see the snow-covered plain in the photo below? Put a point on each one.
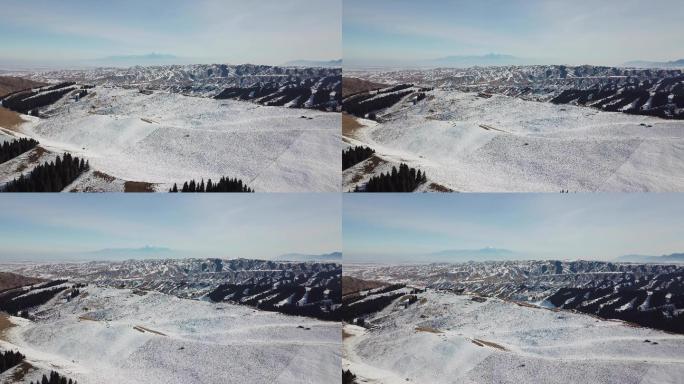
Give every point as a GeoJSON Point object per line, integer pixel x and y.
{"type": "Point", "coordinates": [500, 143]}
{"type": "Point", "coordinates": [108, 334]}
{"type": "Point", "coordinates": [448, 338]}
{"type": "Point", "coordinates": [164, 138]}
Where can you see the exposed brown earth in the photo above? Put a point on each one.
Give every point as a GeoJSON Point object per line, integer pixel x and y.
{"type": "Point", "coordinates": [10, 119]}
{"type": "Point", "coordinates": [5, 324]}
{"type": "Point", "coordinates": [428, 329]}
{"type": "Point", "coordinates": [12, 84]}
{"type": "Point", "coordinates": [138, 186]}
{"type": "Point", "coordinates": [20, 371]}
{"type": "Point", "coordinates": [143, 330]}
{"type": "Point", "coordinates": [349, 125]}
{"type": "Point", "coordinates": [482, 343]}
{"type": "Point", "coordinates": [36, 154]}
{"type": "Point", "coordinates": [352, 85]}
{"type": "Point", "coordinates": [34, 157]}
{"type": "Point", "coordinates": [352, 285]}
{"type": "Point", "coordinates": [369, 167]}
{"type": "Point", "coordinates": [439, 188]}
{"type": "Point", "coordinates": [104, 176]}
{"type": "Point", "coordinates": [9, 280]}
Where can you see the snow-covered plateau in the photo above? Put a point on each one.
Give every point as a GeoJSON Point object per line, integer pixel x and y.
{"type": "Point", "coordinates": [106, 334]}
{"type": "Point", "coordinates": [523, 129]}
{"type": "Point", "coordinates": [145, 128]}
{"type": "Point", "coordinates": [161, 138]}
{"type": "Point", "coordinates": [447, 338]}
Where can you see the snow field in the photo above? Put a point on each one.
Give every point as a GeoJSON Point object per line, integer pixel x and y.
{"type": "Point", "coordinates": [519, 344]}
{"type": "Point", "coordinates": [469, 143]}
{"type": "Point", "coordinates": [165, 138]}
{"type": "Point", "coordinates": [157, 338]}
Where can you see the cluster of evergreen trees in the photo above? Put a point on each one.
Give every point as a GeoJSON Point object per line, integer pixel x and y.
{"type": "Point", "coordinates": [355, 155]}
{"type": "Point", "coordinates": [404, 180]}
{"type": "Point", "coordinates": [50, 177]}
{"type": "Point", "coordinates": [15, 305]}
{"type": "Point", "coordinates": [296, 92]}
{"type": "Point", "coordinates": [348, 377]}
{"type": "Point", "coordinates": [354, 297]}
{"type": "Point", "coordinates": [611, 304]}
{"type": "Point", "coordinates": [223, 185]}
{"type": "Point", "coordinates": [265, 295]}
{"type": "Point", "coordinates": [9, 359]}
{"type": "Point", "coordinates": [361, 106]}
{"type": "Point", "coordinates": [11, 150]}
{"type": "Point", "coordinates": [55, 378]}
{"type": "Point", "coordinates": [357, 309]}
{"type": "Point", "coordinates": [25, 102]}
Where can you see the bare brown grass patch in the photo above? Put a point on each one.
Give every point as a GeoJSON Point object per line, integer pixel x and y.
{"type": "Point", "coordinates": [482, 343]}
{"type": "Point", "coordinates": [10, 119]}
{"type": "Point", "coordinates": [138, 186]}
{"type": "Point", "coordinates": [144, 329]}
{"type": "Point", "coordinates": [350, 125]}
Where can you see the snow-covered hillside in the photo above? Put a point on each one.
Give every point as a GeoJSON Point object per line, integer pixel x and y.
{"type": "Point", "coordinates": [203, 79]}
{"type": "Point", "coordinates": [445, 338]}
{"type": "Point", "coordinates": [107, 334]}
{"type": "Point", "coordinates": [594, 287]}
{"type": "Point", "coordinates": [481, 142]}
{"type": "Point", "coordinates": [657, 92]}
{"type": "Point", "coordinates": [161, 138]}
{"type": "Point", "coordinates": [302, 288]}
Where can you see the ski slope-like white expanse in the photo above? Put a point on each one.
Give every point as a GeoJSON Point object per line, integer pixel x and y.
{"type": "Point", "coordinates": [92, 339]}
{"type": "Point", "coordinates": [164, 138]}
{"type": "Point", "coordinates": [470, 143]}
{"type": "Point", "coordinates": [518, 344]}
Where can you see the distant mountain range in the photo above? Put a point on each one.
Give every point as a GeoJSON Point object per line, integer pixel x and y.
{"type": "Point", "coordinates": [332, 256]}
{"type": "Point", "coordinates": [671, 258]}
{"type": "Point", "coordinates": [314, 63]}
{"type": "Point", "coordinates": [655, 64]}
{"type": "Point", "coordinates": [491, 59]}
{"type": "Point", "coordinates": [461, 255]}
{"type": "Point", "coordinates": [146, 252]}
{"type": "Point", "coordinates": [148, 59]}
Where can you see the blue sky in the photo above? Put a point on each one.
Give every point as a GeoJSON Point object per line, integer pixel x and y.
{"type": "Point", "coordinates": [607, 32]}
{"type": "Point", "coordinates": [568, 226]}
{"type": "Point", "coordinates": [47, 32]}
{"type": "Point", "coordinates": [63, 226]}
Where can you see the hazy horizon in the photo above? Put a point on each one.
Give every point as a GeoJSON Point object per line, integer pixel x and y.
{"type": "Point", "coordinates": [407, 34]}
{"type": "Point", "coordinates": [90, 227]}
{"type": "Point", "coordinates": [40, 33]}
{"type": "Point", "coordinates": [478, 227]}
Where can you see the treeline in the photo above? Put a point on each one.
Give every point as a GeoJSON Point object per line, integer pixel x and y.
{"type": "Point", "coordinates": [223, 185]}
{"type": "Point", "coordinates": [660, 313]}
{"type": "Point", "coordinates": [348, 377]}
{"type": "Point", "coordinates": [354, 297]}
{"type": "Point", "coordinates": [27, 101]}
{"type": "Point", "coordinates": [404, 180]}
{"type": "Point", "coordinates": [55, 378]}
{"type": "Point", "coordinates": [50, 177]}
{"type": "Point", "coordinates": [14, 305]}
{"type": "Point", "coordinates": [360, 106]}
{"type": "Point", "coordinates": [267, 296]}
{"type": "Point", "coordinates": [10, 150]}
{"type": "Point", "coordinates": [355, 155]}
{"type": "Point", "coordinates": [665, 102]}
{"type": "Point", "coordinates": [298, 94]}
{"type": "Point", "coordinates": [9, 359]}
{"type": "Point", "coordinates": [357, 309]}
